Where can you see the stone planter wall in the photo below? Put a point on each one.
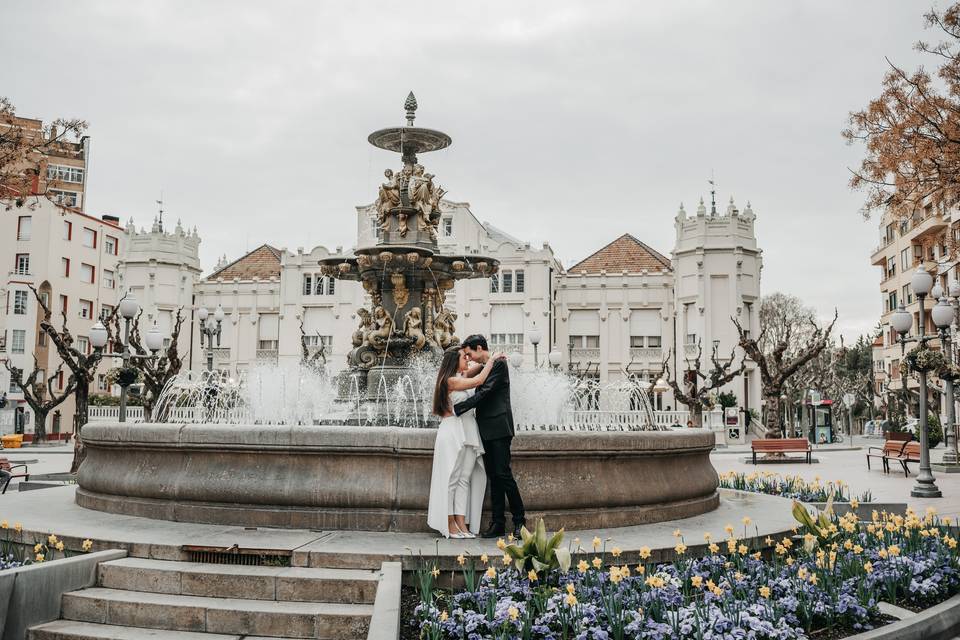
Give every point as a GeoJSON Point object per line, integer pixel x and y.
{"type": "Point", "coordinates": [31, 595]}
{"type": "Point", "coordinates": [378, 478]}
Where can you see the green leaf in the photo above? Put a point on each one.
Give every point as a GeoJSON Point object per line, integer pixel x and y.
{"type": "Point", "coordinates": [541, 537]}
{"type": "Point", "coordinates": [555, 540]}
{"type": "Point", "coordinates": [515, 552]}
{"type": "Point", "coordinates": [539, 566]}
{"type": "Point", "coordinates": [563, 559]}
{"type": "Point", "coordinates": [525, 535]}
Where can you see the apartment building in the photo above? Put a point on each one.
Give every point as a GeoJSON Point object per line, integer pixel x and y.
{"type": "Point", "coordinates": [72, 260]}
{"type": "Point", "coordinates": [927, 239]}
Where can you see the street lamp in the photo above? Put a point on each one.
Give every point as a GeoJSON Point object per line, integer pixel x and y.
{"type": "Point", "coordinates": [210, 327]}
{"type": "Point", "coordinates": [943, 314]}
{"type": "Point", "coordinates": [153, 340]}
{"type": "Point", "coordinates": [920, 284]}
{"type": "Point", "coordinates": [901, 320]}
{"type": "Point", "coordinates": [555, 357]}
{"type": "Point", "coordinates": [535, 337]}
{"type": "Point", "coordinates": [516, 359]}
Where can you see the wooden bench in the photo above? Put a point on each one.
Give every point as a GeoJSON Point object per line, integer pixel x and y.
{"type": "Point", "coordinates": [9, 473]}
{"type": "Point", "coordinates": [781, 445]}
{"type": "Point", "coordinates": [892, 449]}
{"type": "Point", "coordinates": [910, 453]}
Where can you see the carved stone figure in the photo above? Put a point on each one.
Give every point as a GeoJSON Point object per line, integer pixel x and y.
{"type": "Point", "coordinates": [388, 197]}
{"type": "Point", "coordinates": [400, 293]}
{"type": "Point", "coordinates": [383, 327]}
{"type": "Point", "coordinates": [413, 328]}
{"type": "Point", "coordinates": [366, 323]}
{"type": "Point", "coordinates": [444, 328]}
{"type": "Point", "coordinates": [372, 287]}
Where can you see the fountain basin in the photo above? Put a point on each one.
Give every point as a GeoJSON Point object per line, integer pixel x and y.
{"type": "Point", "coordinates": [378, 478]}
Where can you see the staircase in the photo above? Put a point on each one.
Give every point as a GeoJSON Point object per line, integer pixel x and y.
{"type": "Point", "coordinates": [137, 598]}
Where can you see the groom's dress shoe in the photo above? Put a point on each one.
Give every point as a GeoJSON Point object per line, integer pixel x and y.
{"type": "Point", "coordinates": [495, 531]}
{"type": "Point", "coordinates": [516, 530]}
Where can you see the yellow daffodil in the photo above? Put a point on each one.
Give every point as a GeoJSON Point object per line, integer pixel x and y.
{"type": "Point", "coordinates": [51, 539]}
{"type": "Point", "coordinates": [742, 549]}
{"type": "Point", "coordinates": [790, 562]}
{"type": "Point", "coordinates": [644, 552]}
{"type": "Point", "coordinates": [570, 588]}
{"type": "Point", "coordinates": [4, 524]}
{"type": "Point", "coordinates": [857, 548]}
{"type": "Point", "coordinates": [882, 553]}
{"type": "Point", "coordinates": [713, 548]}
{"type": "Point", "coordinates": [60, 546]}
{"type": "Point", "coordinates": [461, 560]}
{"type": "Point", "coordinates": [87, 545]}
{"type": "Point", "coordinates": [746, 521]}
{"type": "Point", "coordinates": [597, 543]}
{"type": "Point", "coordinates": [625, 571]}
{"type": "Point", "coordinates": [506, 560]}
{"type": "Point", "coordinates": [615, 552]}
{"type": "Point", "coordinates": [680, 548]}
{"type": "Point", "coordinates": [729, 529]}
{"type": "Point", "coordinates": [491, 573]}
{"type": "Point", "coordinates": [596, 562]}
{"type": "Point", "coordinates": [532, 575]}
{"type": "Point", "coordinates": [39, 557]}
{"type": "Point", "coordinates": [676, 533]}
{"type": "Point", "coordinates": [707, 536]}
{"type": "Point", "coordinates": [501, 544]}
{"type": "Point", "coordinates": [696, 581]}
{"type": "Point", "coordinates": [802, 573]}
{"type": "Point", "coordinates": [582, 566]}
{"type": "Point", "coordinates": [571, 600]}
{"type": "Point", "coordinates": [444, 616]}
{"type": "Point", "coordinates": [37, 548]}
{"type": "Point", "coordinates": [435, 572]}
{"type": "Point", "coordinates": [868, 567]}
{"type": "Point", "coordinates": [513, 612]}
{"type": "Point", "coordinates": [717, 591]}
{"type": "Point", "coordinates": [764, 592]}
{"type": "Point", "coordinates": [615, 576]}
{"type": "Point", "coordinates": [484, 559]}
{"type": "Point", "coordinates": [17, 527]}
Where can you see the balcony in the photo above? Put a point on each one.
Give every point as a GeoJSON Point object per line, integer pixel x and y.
{"type": "Point", "coordinates": [930, 225]}
{"type": "Point", "coordinates": [646, 353]}
{"type": "Point", "coordinates": [879, 255]}
{"type": "Point", "coordinates": [267, 355]}
{"type": "Point", "coordinates": [588, 354]}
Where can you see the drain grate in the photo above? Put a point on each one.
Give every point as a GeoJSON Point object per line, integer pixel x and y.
{"type": "Point", "coordinates": [237, 555]}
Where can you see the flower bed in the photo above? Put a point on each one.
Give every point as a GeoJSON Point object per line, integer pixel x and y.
{"type": "Point", "coordinates": [17, 551]}
{"type": "Point", "coordinates": [826, 583]}
{"type": "Point", "coordinates": [793, 487]}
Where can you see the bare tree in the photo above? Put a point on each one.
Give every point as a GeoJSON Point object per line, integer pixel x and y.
{"type": "Point", "coordinates": [789, 338]}
{"type": "Point", "coordinates": [24, 149]}
{"type": "Point", "coordinates": [83, 368]}
{"type": "Point", "coordinates": [40, 394]}
{"type": "Point", "coordinates": [156, 372]}
{"type": "Point", "coordinates": [699, 386]}
{"type": "Point", "coordinates": [316, 360]}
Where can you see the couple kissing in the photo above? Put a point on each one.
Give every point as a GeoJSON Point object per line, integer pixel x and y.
{"type": "Point", "coordinates": [472, 399]}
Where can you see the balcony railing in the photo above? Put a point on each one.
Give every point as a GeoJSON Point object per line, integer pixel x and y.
{"type": "Point", "coordinates": [267, 355]}
{"type": "Point", "coordinates": [585, 354]}
{"type": "Point", "coordinates": [646, 353]}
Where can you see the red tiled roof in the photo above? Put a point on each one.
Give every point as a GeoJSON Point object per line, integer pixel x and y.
{"type": "Point", "coordinates": [626, 253]}
{"type": "Point", "coordinates": [263, 262]}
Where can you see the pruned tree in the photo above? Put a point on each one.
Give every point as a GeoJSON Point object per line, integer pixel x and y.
{"type": "Point", "coordinates": [83, 368]}
{"type": "Point", "coordinates": [316, 360]}
{"type": "Point", "coordinates": [39, 394]}
{"type": "Point", "coordinates": [911, 132]}
{"type": "Point", "coordinates": [789, 338]}
{"type": "Point", "coordinates": [699, 386]}
{"type": "Point", "coordinates": [155, 372]}
{"type": "Point", "coordinates": [23, 150]}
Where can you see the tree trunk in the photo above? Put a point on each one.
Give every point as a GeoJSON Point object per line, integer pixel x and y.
{"type": "Point", "coordinates": [772, 420]}
{"type": "Point", "coordinates": [39, 425]}
{"type": "Point", "coordinates": [81, 395]}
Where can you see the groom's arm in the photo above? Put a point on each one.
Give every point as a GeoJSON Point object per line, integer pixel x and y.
{"type": "Point", "coordinates": [494, 379]}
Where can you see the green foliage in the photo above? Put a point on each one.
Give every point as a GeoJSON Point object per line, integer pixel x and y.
{"type": "Point", "coordinates": [934, 429]}
{"type": "Point", "coordinates": [538, 552]}
{"type": "Point", "coordinates": [728, 399]}
{"type": "Point", "coordinates": [820, 527]}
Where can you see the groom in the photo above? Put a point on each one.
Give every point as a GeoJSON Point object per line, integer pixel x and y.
{"type": "Point", "coordinates": [495, 420]}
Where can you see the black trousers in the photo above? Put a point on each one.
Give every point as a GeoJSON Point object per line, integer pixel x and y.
{"type": "Point", "coordinates": [496, 459]}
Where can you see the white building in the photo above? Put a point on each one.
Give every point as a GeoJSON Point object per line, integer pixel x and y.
{"type": "Point", "coordinates": [620, 312]}
{"type": "Point", "coordinates": [81, 265]}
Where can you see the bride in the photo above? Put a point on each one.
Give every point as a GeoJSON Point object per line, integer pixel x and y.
{"type": "Point", "coordinates": [458, 481]}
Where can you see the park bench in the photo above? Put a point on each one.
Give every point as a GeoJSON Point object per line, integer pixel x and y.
{"type": "Point", "coordinates": [781, 445]}
{"type": "Point", "coordinates": [9, 473]}
{"type": "Point", "coordinates": [910, 453]}
{"type": "Point", "coordinates": [892, 448]}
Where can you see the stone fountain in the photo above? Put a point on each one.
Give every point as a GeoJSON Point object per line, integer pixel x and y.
{"type": "Point", "coordinates": [404, 275]}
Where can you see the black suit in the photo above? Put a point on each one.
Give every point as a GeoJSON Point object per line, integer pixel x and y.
{"type": "Point", "coordinates": [495, 420]}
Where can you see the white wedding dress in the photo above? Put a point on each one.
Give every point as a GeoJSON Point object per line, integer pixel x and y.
{"type": "Point", "coordinates": [453, 434]}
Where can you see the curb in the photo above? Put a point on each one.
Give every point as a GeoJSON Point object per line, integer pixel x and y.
{"type": "Point", "coordinates": [939, 622]}
{"type": "Point", "coordinates": [385, 621]}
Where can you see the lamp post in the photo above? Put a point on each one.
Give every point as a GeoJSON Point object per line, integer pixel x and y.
{"type": "Point", "coordinates": [210, 327]}
{"type": "Point", "coordinates": [920, 284]}
{"type": "Point", "coordinates": [944, 314]}
{"type": "Point", "coordinates": [535, 337]}
{"type": "Point", "coordinates": [786, 414]}
{"type": "Point", "coordinates": [516, 359]}
{"type": "Point", "coordinates": [129, 309]}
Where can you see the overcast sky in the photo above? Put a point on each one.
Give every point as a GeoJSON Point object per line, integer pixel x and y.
{"type": "Point", "coordinates": [572, 122]}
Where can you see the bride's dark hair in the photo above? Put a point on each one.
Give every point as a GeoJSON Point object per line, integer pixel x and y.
{"type": "Point", "coordinates": [448, 367]}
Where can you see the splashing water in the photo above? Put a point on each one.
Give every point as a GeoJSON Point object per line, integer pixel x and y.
{"type": "Point", "coordinates": [542, 400]}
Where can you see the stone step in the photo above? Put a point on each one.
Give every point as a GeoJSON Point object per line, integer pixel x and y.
{"type": "Point", "coordinates": [230, 616]}
{"type": "Point", "coordinates": [73, 630]}
{"type": "Point", "coordinates": [294, 584]}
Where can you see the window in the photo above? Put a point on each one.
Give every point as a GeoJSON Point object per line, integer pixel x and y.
{"type": "Point", "coordinates": [102, 382]}
{"type": "Point", "coordinates": [110, 245]}
{"type": "Point", "coordinates": [83, 344]}
{"type": "Point", "coordinates": [86, 309]}
{"type": "Point", "coordinates": [89, 238]}
{"type": "Point", "coordinates": [691, 338]}
{"type": "Point", "coordinates": [891, 267]}
{"type": "Point", "coordinates": [653, 342]}
{"type": "Point", "coordinates": [891, 233]}
{"type": "Point", "coordinates": [636, 342]}
{"type": "Point", "coordinates": [507, 281]}
{"type": "Point", "coordinates": [892, 301]}
{"type": "Point", "coordinates": [64, 173]}
{"type": "Point", "coordinates": [907, 294]}
{"type": "Point", "coordinates": [108, 279]}
{"type": "Point", "coordinates": [19, 303]}
{"type": "Point", "coordinates": [41, 339]}
{"type": "Point", "coordinates": [518, 276]}
{"type": "Point", "coordinates": [331, 283]}
{"type": "Point", "coordinates": [105, 311]}
{"type": "Point", "coordinates": [268, 345]}
{"type": "Point", "coordinates": [316, 341]}
{"type": "Point", "coordinates": [905, 259]}
{"type": "Point", "coordinates": [447, 227]}
{"type": "Point", "coordinates": [66, 198]}
{"type": "Point", "coordinates": [506, 340]}
{"type": "Point", "coordinates": [65, 262]}
{"type": "Point", "coordinates": [86, 273]}
{"type": "Point", "coordinates": [60, 381]}
{"type": "Point", "coordinates": [18, 341]}
{"type": "Point", "coordinates": [13, 386]}
{"type": "Point", "coordinates": [22, 264]}
{"type": "Point", "coordinates": [307, 284]}
{"type": "Point", "coordinates": [23, 227]}
{"type": "Point", "coordinates": [494, 284]}
{"type": "Point", "coordinates": [67, 230]}
{"type": "Point", "coordinates": [63, 304]}
{"type": "Point", "coordinates": [585, 342]}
